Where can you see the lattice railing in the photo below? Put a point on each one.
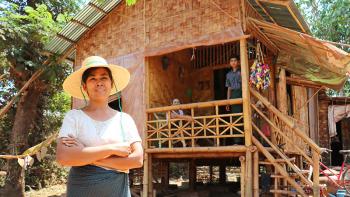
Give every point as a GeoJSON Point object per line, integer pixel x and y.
{"type": "Point", "coordinates": [210, 125]}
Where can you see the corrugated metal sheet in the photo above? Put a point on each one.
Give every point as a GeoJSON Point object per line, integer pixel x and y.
{"type": "Point", "coordinates": [89, 16]}
{"type": "Point", "coordinates": [283, 13]}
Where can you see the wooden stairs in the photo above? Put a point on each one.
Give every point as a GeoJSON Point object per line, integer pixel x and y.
{"type": "Point", "coordinates": [289, 155]}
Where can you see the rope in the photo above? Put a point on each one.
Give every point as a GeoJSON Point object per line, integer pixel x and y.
{"type": "Point", "coordinates": [32, 150]}
{"type": "Point", "coordinates": [303, 105]}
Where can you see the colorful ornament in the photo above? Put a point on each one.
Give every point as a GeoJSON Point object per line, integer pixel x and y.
{"type": "Point", "coordinates": [259, 75]}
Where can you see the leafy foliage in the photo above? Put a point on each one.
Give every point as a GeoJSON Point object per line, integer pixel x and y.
{"type": "Point", "coordinates": [25, 28]}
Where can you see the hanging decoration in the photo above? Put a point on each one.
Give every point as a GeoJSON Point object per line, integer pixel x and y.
{"type": "Point", "coordinates": [259, 71]}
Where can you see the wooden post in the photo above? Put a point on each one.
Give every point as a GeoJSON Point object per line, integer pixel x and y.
{"type": "Point", "coordinates": [245, 93]}
{"type": "Point", "coordinates": [276, 182]}
{"type": "Point", "coordinates": [272, 87]}
{"type": "Point", "coordinates": [150, 176]}
{"type": "Point", "coordinates": [315, 173]}
{"type": "Point", "coordinates": [193, 174]}
{"type": "Point", "coordinates": [256, 173]}
{"type": "Point", "coordinates": [222, 173]}
{"type": "Point", "coordinates": [246, 113]}
{"type": "Point", "coordinates": [282, 102]}
{"type": "Point", "coordinates": [243, 167]}
{"type": "Point", "coordinates": [145, 176]}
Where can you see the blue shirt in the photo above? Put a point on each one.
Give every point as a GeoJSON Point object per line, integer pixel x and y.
{"type": "Point", "coordinates": [234, 80]}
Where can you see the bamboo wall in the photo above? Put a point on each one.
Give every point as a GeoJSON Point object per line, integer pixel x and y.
{"type": "Point", "coordinates": [171, 82]}
{"type": "Point", "coordinates": [155, 27]}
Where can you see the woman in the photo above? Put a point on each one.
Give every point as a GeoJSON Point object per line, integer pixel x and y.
{"type": "Point", "coordinates": [100, 143]}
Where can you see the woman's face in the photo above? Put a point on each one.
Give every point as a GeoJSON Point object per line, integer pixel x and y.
{"type": "Point", "coordinates": [98, 84]}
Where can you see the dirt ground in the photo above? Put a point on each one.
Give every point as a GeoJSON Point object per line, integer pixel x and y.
{"type": "Point", "coordinates": [54, 191]}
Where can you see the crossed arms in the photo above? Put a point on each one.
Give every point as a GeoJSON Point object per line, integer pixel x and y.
{"type": "Point", "coordinates": [118, 156]}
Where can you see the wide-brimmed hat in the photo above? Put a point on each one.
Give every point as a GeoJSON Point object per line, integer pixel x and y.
{"type": "Point", "coordinates": [73, 83]}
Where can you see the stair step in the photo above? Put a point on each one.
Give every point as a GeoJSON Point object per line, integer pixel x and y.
{"type": "Point", "coordinates": [277, 176]}
{"type": "Point", "coordinates": [282, 192]}
{"type": "Point", "coordinates": [266, 162]}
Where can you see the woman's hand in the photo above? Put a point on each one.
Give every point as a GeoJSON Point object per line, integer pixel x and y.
{"type": "Point", "coordinates": [120, 149]}
{"type": "Point", "coordinates": [71, 141]}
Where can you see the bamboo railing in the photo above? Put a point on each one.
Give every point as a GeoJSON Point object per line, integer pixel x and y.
{"type": "Point", "coordinates": [208, 125]}
{"type": "Point", "coordinates": [294, 140]}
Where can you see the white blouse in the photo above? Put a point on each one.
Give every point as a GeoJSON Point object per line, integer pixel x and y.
{"type": "Point", "coordinates": [119, 128]}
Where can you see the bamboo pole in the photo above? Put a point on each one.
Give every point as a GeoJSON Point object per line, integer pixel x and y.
{"type": "Point", "coordinates": [217, 125]}
{"type": "Point", "coordinates": [145, 176]}
{"type": "Point", "coordinates": [196, 155]}
{"type": "Point", "coordinates": [246, 112]}
{"type": "Point", "coordinates": [150, 176]}
{"type": "Point", "coordinates": [275, 183]}
{"type": "Point", "coordinates": [220, 149]}
{"type": "Point", "coordinates": [278, 167]}
{"type": "Point", "coordinates": [246, 93]}
{"type": "Point", "coordinates": [243, 167]}
{"type": "Point", "coordinates": [315, 173]}
{"type": "Point", "coordinates": [256, 173]}
{"type": "Point", "coordinates": [290, 123]}
{"type": "Point", "coordinates": [196, 105]}
{"type": "Point", "coordinates": [249, 173]}
{"type": "Point", "coordinates": [192, 130]}
{"type": "Point", "coordinates": [303, 83]}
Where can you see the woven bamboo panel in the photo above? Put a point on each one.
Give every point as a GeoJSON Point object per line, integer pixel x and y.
{"type": "Point", "coordinates": [171, 82]}
{"type": "Point", "coordinates": [172, 24]}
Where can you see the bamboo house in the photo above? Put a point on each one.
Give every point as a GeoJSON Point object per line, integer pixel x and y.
{"type": "Point", "coordinates": [181, 49]}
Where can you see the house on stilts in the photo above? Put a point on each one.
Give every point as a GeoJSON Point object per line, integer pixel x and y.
{"type": "Point", "coordinates": [181, 49]}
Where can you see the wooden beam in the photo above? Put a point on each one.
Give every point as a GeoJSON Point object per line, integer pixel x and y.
{"type": "Point", "coordinates": [222, 149]}
{"type": "Point", "coordinates": [80, 23]}
{"type": "Point", "coordinates": [195, 105]}
{"type": "Point", "coordinates": [243, 18]}
{"type": "Point", "coordinates": [263, 37]}
{"type": "Point", "coordinates": [304, 83]}
{"type": "Point", "coordinates": [196, 155]}
{"type": "Point", "coordinates": [97, 8]}
{"type": "Point", "coordinates": [263, 9]}
{"type": "Point", "coordinates": [65, 38]}
{"type": "Point", "coordinates": [295, 18]}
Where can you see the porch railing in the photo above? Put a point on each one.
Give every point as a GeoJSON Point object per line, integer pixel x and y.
{"type": "Point", "coordinates": [210, 125]}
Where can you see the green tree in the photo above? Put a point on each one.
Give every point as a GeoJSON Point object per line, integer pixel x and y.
{"type": "Point", "coordinates": [24, 31]}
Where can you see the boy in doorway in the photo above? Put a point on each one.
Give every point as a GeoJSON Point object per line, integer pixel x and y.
{"type": "Point", "coordinates": [234, 90]}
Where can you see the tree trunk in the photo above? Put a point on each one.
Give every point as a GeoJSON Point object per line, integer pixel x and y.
{"type": "Point", "coordinates": [26, 114]}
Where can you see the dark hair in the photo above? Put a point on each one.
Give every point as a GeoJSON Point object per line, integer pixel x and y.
{"type": "Point", "coordinates": [87, 73]}
{"type": "Point", "coordinates": [234, 57]}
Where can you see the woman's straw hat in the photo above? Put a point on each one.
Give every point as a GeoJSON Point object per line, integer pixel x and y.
{"type": "Point", "coordinates": [73, 83]}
